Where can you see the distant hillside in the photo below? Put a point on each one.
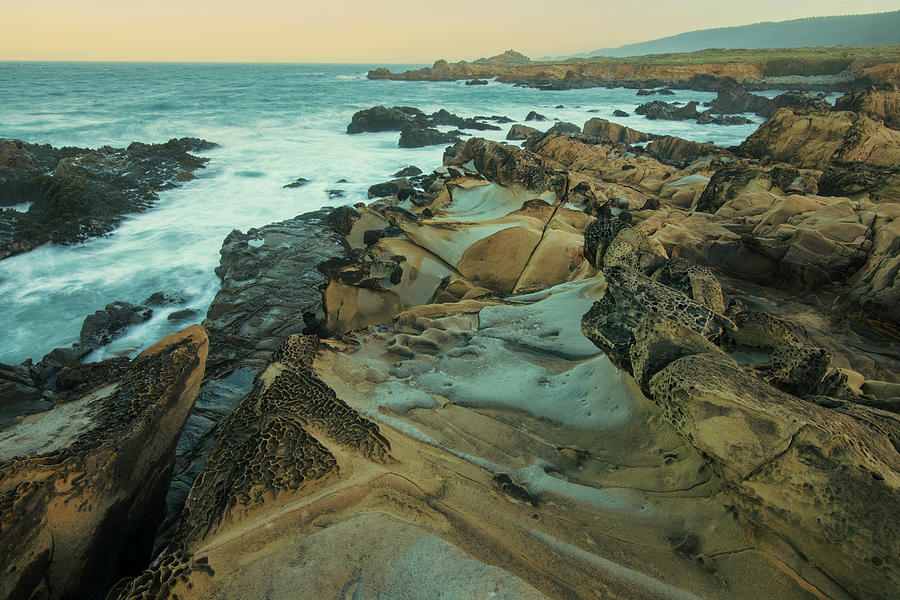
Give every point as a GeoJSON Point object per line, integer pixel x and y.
{"type": "Point", "coordinates": [877, 29]}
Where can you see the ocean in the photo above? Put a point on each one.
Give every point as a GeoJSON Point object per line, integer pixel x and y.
{"type": "Point", "coordinates": [274, 123]}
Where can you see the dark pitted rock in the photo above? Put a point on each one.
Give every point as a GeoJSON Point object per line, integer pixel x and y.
{"type": "Point", "coordinates": [412, 136]}
{"type": "Point", "coordinates": [614, 133]}
{"type": "Point", "coordinates": [341, 219]}
{"type": "Point", "coordinates": [632, 248]}
{"type": "Point", "coordinates": [659, 110]}
{"type": "Point", "coordinates": [599, 235]}
{"type": "Point", "coordinates": [410, 171]}
{"type": "Point", "coordinates": [104, 325]}
{"type": "Point", "coordinates": [564, 127]}
{"type": "Point", "coordinates": [659, 341]}
{"type": "Point", "coordinates": [694, 281]}
{"type": "Point", "coordinates": [81, 378]}
{"type": "Point", "coordinates": [89, 192]}
{"type": "Point", "coordinates": [520, 132]}
{"type": "Point", "coordinates": [268, 448]}
{"type": "Point", "coordinates": [630, 296]}
{"type": "Point", "coordinates": [824, 481]}
{"type": "Point", "coordinates": [269, 289]}
{"type": "Point", "coordinates": [81, 486]}
{"type": "Point", "coordinates": [535, 116]}
{"type": "Point", "coordinates": [299, 182]}
{"type": "Point", "coordinates": [883, 105]}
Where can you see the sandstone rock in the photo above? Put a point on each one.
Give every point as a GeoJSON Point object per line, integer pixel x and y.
{"type": "Point", "coordinates": [83, 483]}
{"type": "Point", "coordinates": [564, 127]}
{"type": "Point", "coordinates": [824, 481]}
{"type": "Point", "coordinates": [881, 105]}
{"type": "Point", "coordinates": [677, 151]}
{"type": "Point", "coordinates": [614, 133]}
{"type": "Point", "coordinates": [632, 248]}
{"type": "Point", "coordinates": [520, 132]}
{"type": "Point", "coordinates": [611, 321]}
{"type": "Point", "coordinates": [853, 178]}
{"type": "Point", "coordinates": [813, 140]}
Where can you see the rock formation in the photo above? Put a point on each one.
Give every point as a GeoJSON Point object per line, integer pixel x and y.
{"type": "Point", "coordinates": [81, 484]}
{"type": "Point", "coordinates": [76, 194]}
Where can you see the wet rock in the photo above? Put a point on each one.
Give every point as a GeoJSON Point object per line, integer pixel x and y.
{"type": "Point", "coordinates": [111, 451]}
{"type": "Point", "coordinates": [477, 82]}
{"type": "Point", "coordinates": [410, 171]}
{"type": "Point", "coordinates": [104, 325]}
{"type": "Point", "coordinates": [334, 194]}
{"type": "Point", "coordinates": [183, 315]}
{"type": "Point", "coordinates": [535, 116]}
{"type": "Point", "coordinates": [412, 136]}
{"type": "Point", "coordinates": [620, 113]}
{"type": "Point", "coordinates": [520, 132]}
{"type": "Point", "coordinates": [380, 118]}
{"type": "Point", "coordinates": [299, 182]}
{"type": "Point", "coordinates": [269, 289]}
{"type": "Point", "coordinates": [658, 109]}
{"type": "Point", "coordinates": [163, 299]}
{"type": "Point", "coordinates": [564, 127]}
{"type": "Point", "coordinates": [707, 118]}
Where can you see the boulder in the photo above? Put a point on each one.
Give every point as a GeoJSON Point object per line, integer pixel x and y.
{"type": "Point", "coordinates": [520, 132]}
{"type": "Point", "coordinates": [535, 116]}
{"type": "Point", "coordinates": [613, 133]}
{"type": "Point", "coordinates": [380, 118]}
{"type": "Point", "coordinates": [564, 127]}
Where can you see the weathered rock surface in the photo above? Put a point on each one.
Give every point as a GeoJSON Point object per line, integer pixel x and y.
{"type": "Point", "coordinates": [813, 140]}
{"type": "Point", "coordinates": [613, 133]}
{"type": "Point", "coordinates": [76, 194]}
{"type": "Point", "coordinates": [879, 105]}
{"type": "Point", "coordinates": [658, 109]}
{"type": "Point", "coordinates": [82, 484]}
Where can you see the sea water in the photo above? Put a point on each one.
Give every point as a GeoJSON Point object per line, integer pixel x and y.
{"type": "Point", "coordinates": [273, 123]}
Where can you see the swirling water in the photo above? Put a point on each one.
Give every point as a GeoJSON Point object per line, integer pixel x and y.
{"type": "Point", "coordinates": [274, 123]}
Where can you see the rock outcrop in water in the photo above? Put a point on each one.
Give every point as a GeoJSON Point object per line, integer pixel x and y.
{"type": "Point", "coordinates": [417, 129]}
{"type": "Point", "coordinates": [74, 194]}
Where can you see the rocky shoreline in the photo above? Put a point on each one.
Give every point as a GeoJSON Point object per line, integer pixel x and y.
{"type": "Point", "coordinates": [74, 194]}
{"type": "Point", "coordinates": [707, 70]}
{"type": "Point", "coordinates": [603, 363]}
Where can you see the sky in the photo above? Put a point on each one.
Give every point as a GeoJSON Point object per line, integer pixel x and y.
{"type": "Point", "coordinates": [366, 31]}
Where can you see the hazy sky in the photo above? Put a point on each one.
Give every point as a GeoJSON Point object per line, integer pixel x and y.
{"type": "Point", "coordinates": [366, 30]}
